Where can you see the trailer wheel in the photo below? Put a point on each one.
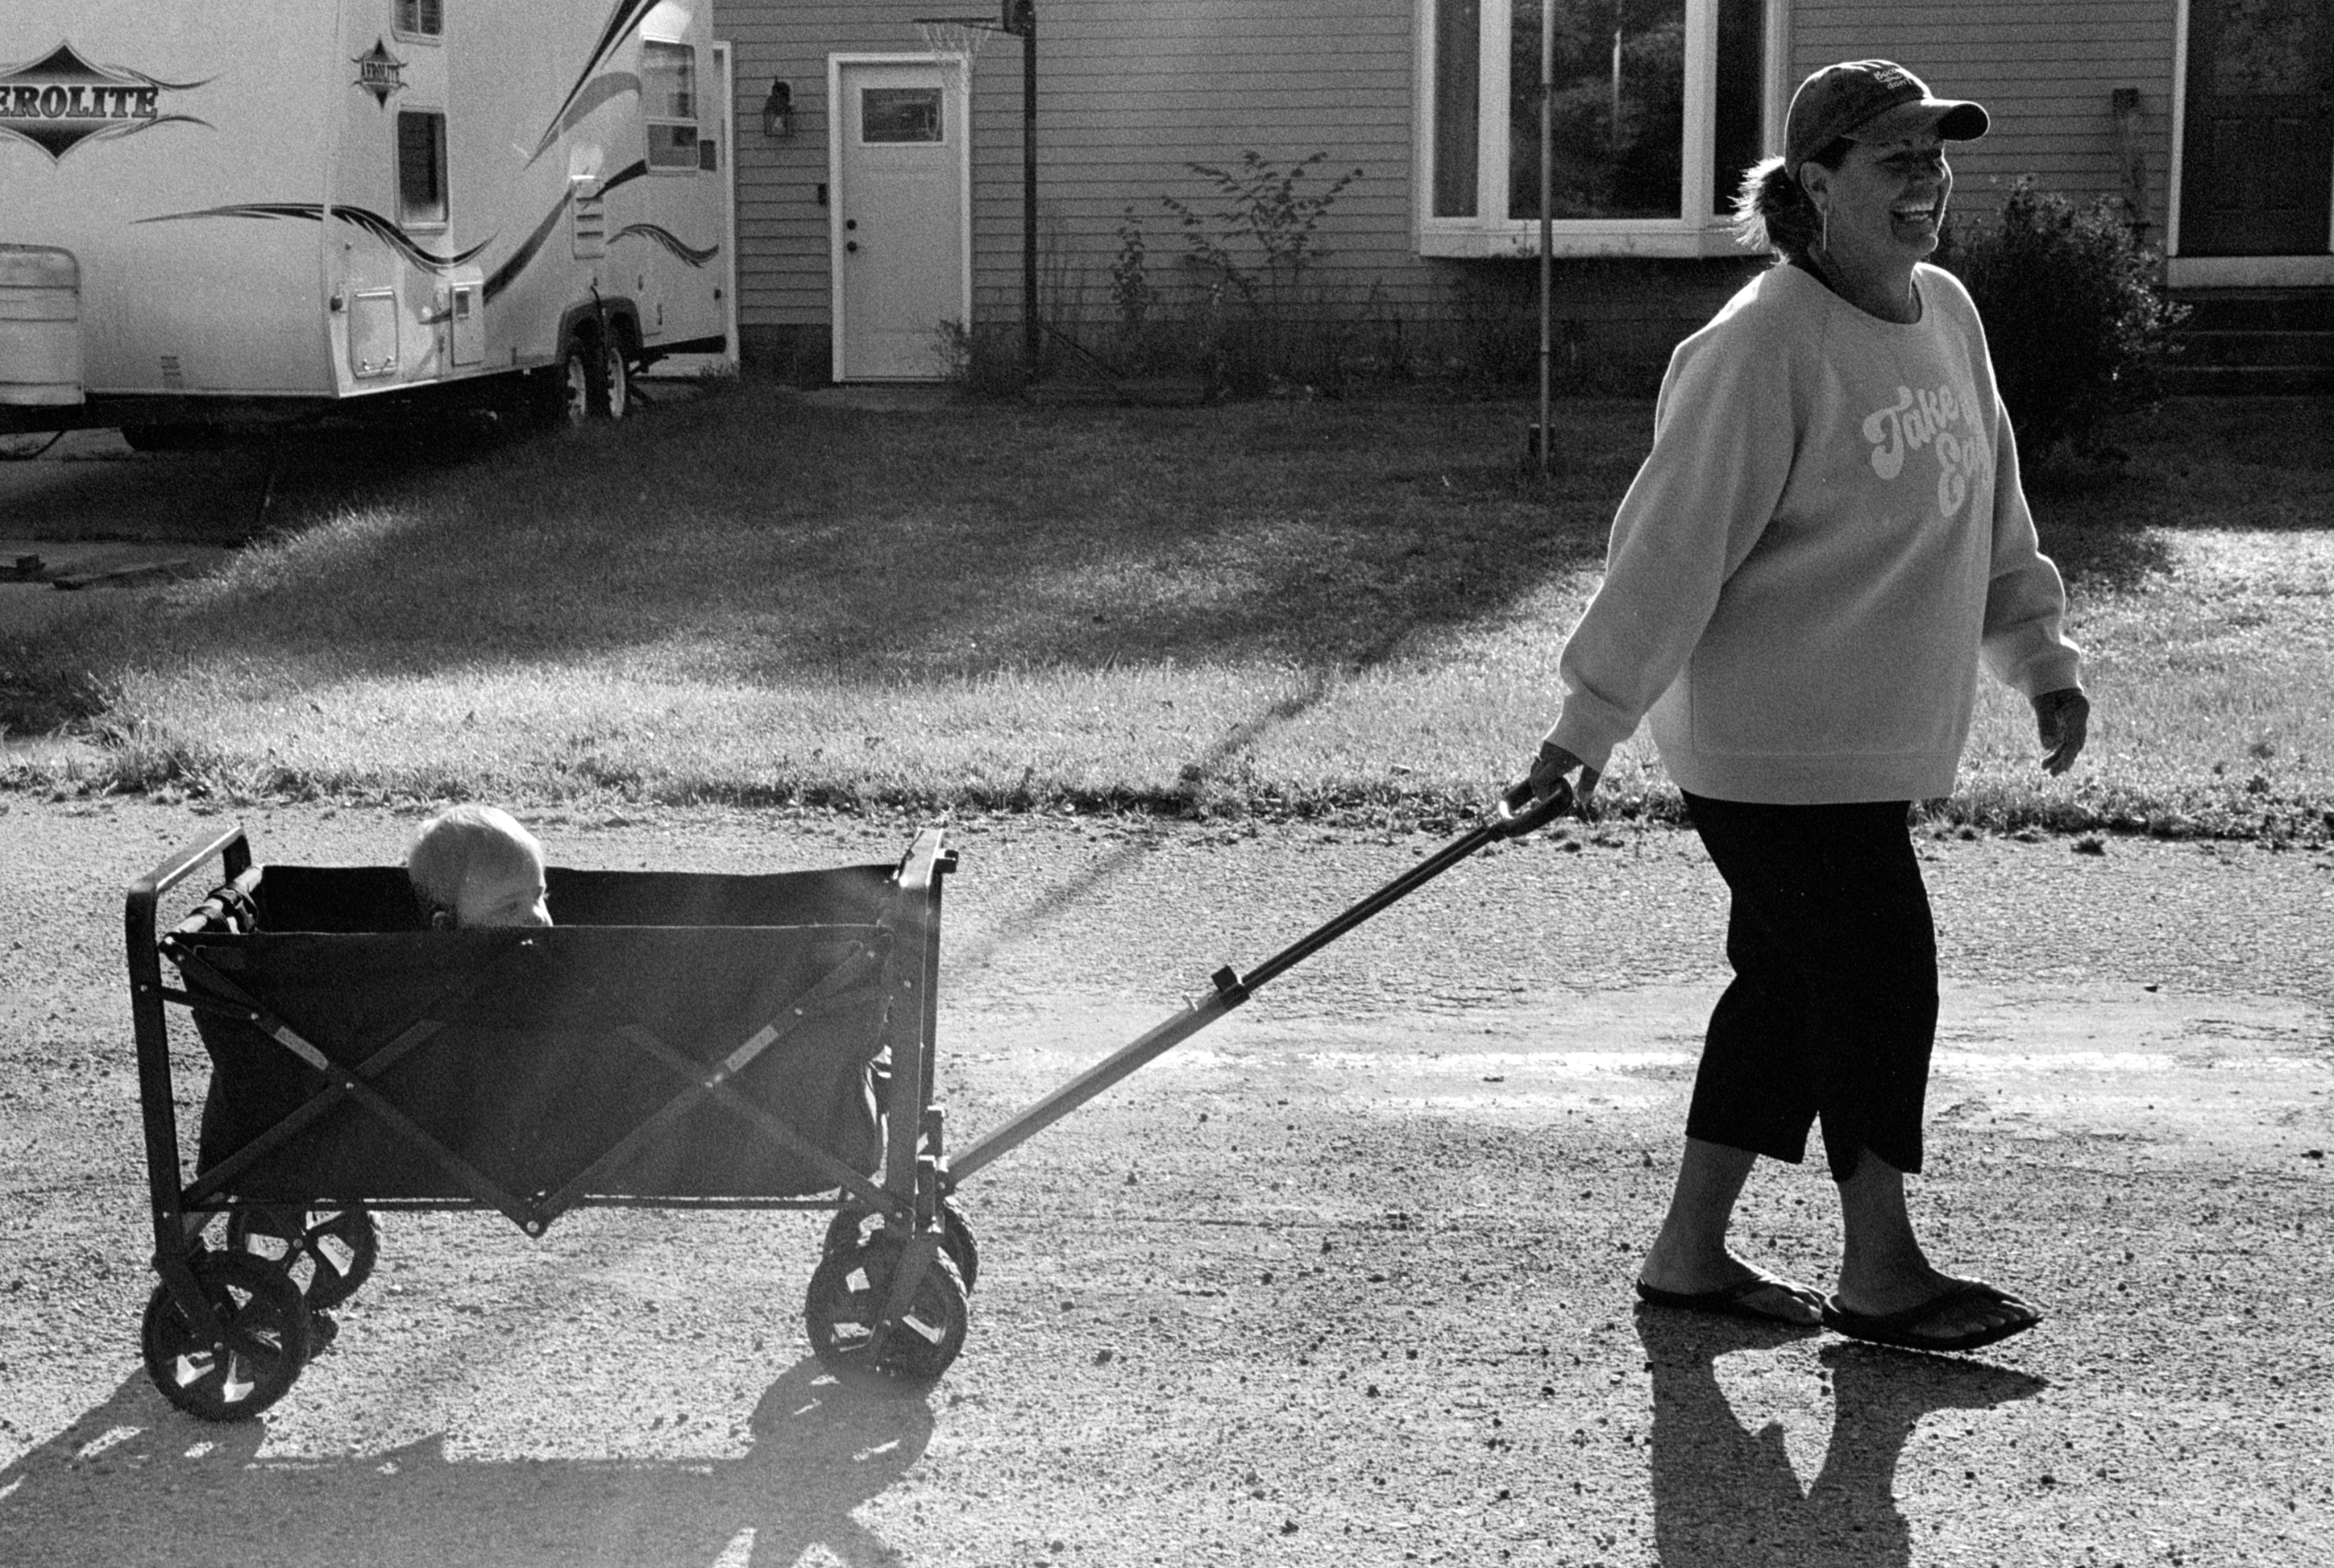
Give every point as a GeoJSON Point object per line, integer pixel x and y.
{"type": "Point", "coordinates": [615, 378]}
{"type": "Point", "coordinates": [265, 1320]}
{"type": "Point", "coordinates": [854, 1226]}
{"type": "Point", "coordinates": [846, 1302]}
{"type": "Point", "coordinates": [570, 399]}
{"type": "Point", "coordinates": [328, 1252]}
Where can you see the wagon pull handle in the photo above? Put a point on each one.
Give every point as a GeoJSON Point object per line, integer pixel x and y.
{"type": "Point", "coordinates": [1231, 989]}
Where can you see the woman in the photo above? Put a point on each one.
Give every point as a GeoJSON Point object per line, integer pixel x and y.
{"type": "Point", "coordinates": [1827, 538]}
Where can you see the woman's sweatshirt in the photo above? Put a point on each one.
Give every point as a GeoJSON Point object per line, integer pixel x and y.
{"type": "Point", "coordinates": [1827, 533]}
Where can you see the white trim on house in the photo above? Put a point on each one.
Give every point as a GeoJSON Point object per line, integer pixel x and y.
{"type": "Point", "coordinates": [1697, 232]}
{"type": "Point", "coordinates": [2174, 177]}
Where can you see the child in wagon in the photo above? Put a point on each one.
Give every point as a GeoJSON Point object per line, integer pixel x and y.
{"type": "Point", "coordinates": [474, 867]}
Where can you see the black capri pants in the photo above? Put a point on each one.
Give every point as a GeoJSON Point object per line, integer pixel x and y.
{"type": "Point", "coordinates": [1833, 1009]}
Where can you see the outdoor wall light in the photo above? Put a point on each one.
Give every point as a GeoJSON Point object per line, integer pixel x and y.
{"type": "Point", "coordinates": [779, 112]}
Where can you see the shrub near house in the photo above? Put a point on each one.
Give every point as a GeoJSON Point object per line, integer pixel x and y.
{"type": "Point", "coordinates": [2075, 317]}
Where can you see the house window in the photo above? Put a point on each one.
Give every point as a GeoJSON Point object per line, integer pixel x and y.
{"type": "Point", "coordinates": [421, 18]}
{"type": "Point", "coordinates": [420, 167]}
{"type": "Point", "coordinates": [1657, 106]}
{"type": "Point", "coordinates": [669, 103]}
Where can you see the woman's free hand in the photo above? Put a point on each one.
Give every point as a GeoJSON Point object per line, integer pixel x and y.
{"type": "Point", "coordinates": [1546, 776]}
{"type": "Point", "coordinates": [2063, 718]}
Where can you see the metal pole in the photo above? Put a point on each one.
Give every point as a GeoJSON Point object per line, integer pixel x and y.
{"type": "Point", "coordinates": [1026, 14]}
{"type": "Point", "coordinates": [1547, 226]}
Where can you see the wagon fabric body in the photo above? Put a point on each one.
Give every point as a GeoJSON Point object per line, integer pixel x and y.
{"type": "Point", "coordinates": [677, 1040]}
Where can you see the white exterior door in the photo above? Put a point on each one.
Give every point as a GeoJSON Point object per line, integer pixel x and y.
{"type": "Point", "coordinates": [899, 212]}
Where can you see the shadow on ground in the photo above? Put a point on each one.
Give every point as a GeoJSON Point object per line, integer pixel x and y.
{"type": "Point", "coordinates": [91, 485]}
{"type": "Point", "coordinates": [758, 534]}
{"type": "Point", "coordinates": [1725, 1497]}
{"type": "Point", "coordinates": [135, 1481]}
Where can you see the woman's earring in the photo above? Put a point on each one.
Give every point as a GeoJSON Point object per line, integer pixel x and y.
{"type": "Point", "coordinates": [1827, 228]}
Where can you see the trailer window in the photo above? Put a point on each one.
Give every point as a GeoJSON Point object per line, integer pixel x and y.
{"type": "Point", "coordinates": [669, 103]}
{"type": "Point", "coordinates": [421, 167]}
{"type": "Point", "coordinates": [421, 18]}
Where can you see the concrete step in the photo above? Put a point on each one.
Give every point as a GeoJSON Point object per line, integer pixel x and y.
{"type": "Point", "coordinates": [2256, 348]}
{"type": "Point", "coordinates": [2224, 381]}
{"type": "Point", "coordinates": [2257, 310]}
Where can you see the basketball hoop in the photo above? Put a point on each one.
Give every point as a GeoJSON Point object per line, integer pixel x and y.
{"type": "Point", "coordinates": [956, 40]}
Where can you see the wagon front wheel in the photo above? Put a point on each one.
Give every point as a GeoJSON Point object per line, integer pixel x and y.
{"type": "Point", "coordinates": [852, 1227]}
{"type": "Point", "coordinates": [328, 1252]}
{"type": "Point", "coordinates": [264, 1321]}
{"type": "Point", "coordinates": [844, 1308]}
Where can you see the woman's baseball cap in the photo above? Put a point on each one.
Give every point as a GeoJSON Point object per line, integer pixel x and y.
{"type": "Point", "coordinates": [1870, 101]}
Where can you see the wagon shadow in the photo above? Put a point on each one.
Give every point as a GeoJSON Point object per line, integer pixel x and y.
{"type": "Point", "coordinates": [134, 1481]}
{"type": "Point", "coordinates": [1725, 1497]}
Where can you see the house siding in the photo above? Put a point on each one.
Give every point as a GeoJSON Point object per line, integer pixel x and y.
{"type": "Point", "coordinates": [1134, 93]}
{"type": "Point", "coordinates": [1131, 94]}
{"type": "Point", "coordinates": [2045, 69]}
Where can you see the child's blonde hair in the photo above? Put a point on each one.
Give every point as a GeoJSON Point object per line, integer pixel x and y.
{"type": "Point", "coordinates": [449, 845]}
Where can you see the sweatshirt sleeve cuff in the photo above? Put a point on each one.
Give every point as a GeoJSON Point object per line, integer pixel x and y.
{"type": "Point", "coordinates": [2053, 669]}
{"type": "Point", "coordinates": [1589, 733]}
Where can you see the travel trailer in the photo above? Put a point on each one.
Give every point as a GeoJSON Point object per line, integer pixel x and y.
{"type": "Point", "coordinates": [221, 211]}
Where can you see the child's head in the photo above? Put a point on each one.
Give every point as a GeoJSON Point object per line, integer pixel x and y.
{"type": "Point", "coordinates": [473, 866]}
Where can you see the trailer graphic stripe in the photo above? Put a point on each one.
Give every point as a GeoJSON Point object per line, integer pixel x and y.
{"type": "Point", "coordinates": [601, 89]}
{"type": "Point", "coordinates": [372, 222]}
{"type": "Point", "coordinates": [626, 16]}
{"type": "Point", "coordinates": [520, 259]}
{"type": "Point", "coordinates": [669, 240]}
{"type": "Point", "coordinates": [503, 276]}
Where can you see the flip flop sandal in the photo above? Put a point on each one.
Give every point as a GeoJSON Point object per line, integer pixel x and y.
{"type": "Point", "coordinates": [1897, 1327]}
{"type": "Point", "coordinates": [1732, 1301]}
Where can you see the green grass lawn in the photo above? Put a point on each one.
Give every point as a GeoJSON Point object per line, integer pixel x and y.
{"type": "Point", "coordinates": [1308, 607]}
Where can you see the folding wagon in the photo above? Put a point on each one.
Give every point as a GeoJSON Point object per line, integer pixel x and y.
{"type": "Point", "coordinates": [678, 1040]}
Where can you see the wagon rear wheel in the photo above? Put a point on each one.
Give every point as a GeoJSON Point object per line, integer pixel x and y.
{"type": "Point", "coordinates": [264, 1320]}
{"type": "Point", "coordinates": [843, 1307]}
{"type": "Point", "coordinates": [328, 1252]}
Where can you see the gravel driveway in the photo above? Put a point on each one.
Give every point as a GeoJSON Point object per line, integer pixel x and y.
{"type": "Point", "coordinates": [1343, 1280]}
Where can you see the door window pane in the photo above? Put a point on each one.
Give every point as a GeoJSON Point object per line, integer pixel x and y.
{"type": "Point", "coordinates": [669, 103]}
{"type": "Point", "coordinates": [1618, 108]}
{"type": "Point", "coordinates": [420, 167]}
{"type": "Point", "coordinates": [2262, 49]}
{"type": "Point", "coordinates": [900, 114]}
{"type": "Point", "coordinates": [1457, 104]}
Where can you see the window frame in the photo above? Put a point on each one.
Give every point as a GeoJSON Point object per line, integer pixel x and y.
{"type": "Point", "coordinates": [443, 169]}
{"type": "Point", "coordinates": [415, 33]}
{"type": "Point", "coordinates": [649, 122]}
{"type": "Point", "coordinates": [1697, 231]}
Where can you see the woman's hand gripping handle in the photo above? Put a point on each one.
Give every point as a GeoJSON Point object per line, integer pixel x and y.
{"type": "Point", "coordinates": [1546, 790]}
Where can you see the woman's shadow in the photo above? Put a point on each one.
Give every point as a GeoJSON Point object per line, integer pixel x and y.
{"type": "Point", "coordinates": [135, 1482]}
{"type": "Point", "coordinates": [1725, 1497]}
